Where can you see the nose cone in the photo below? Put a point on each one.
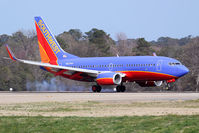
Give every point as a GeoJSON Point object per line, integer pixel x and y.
{"type": "Point", "coordinates": [186, 70]}
{"type": "Point", "coordinates": [183, 71]}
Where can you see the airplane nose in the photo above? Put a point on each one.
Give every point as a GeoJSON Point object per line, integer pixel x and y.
{"type": "Point", "coordinates": [184, 70]}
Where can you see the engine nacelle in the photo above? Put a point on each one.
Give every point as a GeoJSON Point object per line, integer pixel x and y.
{"type": "Point", "coordinates": [158, 83]}
{"type": "Point", "coordinates": [109, 78]}
{"type": "Point", "coordinates": [149, 83]}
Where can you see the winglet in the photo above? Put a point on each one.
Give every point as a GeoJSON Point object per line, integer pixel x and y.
{"type": "Point", "coordinates": [11, 54]}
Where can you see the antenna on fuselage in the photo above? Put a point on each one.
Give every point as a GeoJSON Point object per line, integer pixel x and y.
{"type": "Point", "coordinates": [154, 54]}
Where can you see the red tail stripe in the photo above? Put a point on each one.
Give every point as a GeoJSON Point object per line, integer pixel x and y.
{"type": "Point", "coordinates": [46, 46]}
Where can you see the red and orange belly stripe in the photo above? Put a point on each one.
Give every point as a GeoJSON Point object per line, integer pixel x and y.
{"type": "Point", "coordinates": [130, 76]}
{"type": "Point", "coordinates": [146, 76]}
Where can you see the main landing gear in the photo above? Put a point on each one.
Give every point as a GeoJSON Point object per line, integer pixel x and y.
{"type": "Point", "coordinates": [96, 88]}
{"type": "Point", "coordinates": [120, 88]}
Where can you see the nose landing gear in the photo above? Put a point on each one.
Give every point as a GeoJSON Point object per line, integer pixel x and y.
{"type": "Point", "coordinates": [167, 86]}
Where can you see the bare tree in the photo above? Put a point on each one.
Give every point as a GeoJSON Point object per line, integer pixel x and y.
{"type": "Point", "coordinates": [190, 57]}
{"type": "Point", "coordinates": [122, 44]}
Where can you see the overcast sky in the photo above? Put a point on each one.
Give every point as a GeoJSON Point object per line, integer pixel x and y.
{"type": "Point", "coordinates": [150, 19]}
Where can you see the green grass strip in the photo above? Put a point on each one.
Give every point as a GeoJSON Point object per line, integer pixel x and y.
{"type": "Point", "coordinates": [126, 124]}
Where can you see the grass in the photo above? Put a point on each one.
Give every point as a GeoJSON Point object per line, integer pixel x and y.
{"type": "Point", "coordinates": [125, 124]}
{"type": "Point", "coordinates": [112, 124]}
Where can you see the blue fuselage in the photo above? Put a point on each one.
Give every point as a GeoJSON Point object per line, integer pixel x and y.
{"type": "Point", "coordinates": [136, 67]}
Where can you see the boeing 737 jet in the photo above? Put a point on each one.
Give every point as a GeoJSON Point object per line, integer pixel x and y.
{"type": "Point", "coordinates": [144, 70]}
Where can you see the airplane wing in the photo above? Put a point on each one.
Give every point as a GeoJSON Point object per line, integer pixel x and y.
{"type": "Point", "coordinates": [60, 69]}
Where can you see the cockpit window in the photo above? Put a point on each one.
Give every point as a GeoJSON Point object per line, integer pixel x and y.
{"type": "Point", "coordinates": [174, 63]}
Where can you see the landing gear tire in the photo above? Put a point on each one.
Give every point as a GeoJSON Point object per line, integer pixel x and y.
{"type": "Point", "coordinates": [99, 88]}
{"type": "Point", "coordinates": [120, 88]}
{"type": "Point", "coordinates": [123, 89]}
{"type": "Point", "coordinates": [96, 88]}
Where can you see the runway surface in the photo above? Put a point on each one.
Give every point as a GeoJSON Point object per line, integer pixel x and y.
{"type": "Point", "coordinates": [6, 98]}
{"type": "Point", "coordinates": [98, 104]}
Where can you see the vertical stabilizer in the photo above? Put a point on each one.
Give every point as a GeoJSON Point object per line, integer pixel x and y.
{"type": "Point", "coordinates": [50, 50]}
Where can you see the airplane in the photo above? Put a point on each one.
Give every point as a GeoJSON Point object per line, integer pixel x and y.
{"type": "Point", "coordinates": [147, 71]}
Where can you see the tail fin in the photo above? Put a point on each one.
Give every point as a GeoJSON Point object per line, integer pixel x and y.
{"type": "Point", "coordinates": [50, 50]}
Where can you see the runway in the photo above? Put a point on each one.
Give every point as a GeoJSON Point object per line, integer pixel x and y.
{"type": "Point", "coordinates": [12, 97]}
{"type": "Point", "coordinates": [98, 104]}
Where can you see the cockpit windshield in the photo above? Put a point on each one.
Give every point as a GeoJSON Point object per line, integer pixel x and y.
{"type": "Point", "coordinates": [174, 63]}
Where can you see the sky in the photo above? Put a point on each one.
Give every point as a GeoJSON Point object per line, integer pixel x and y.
{"type": "Point", "coordinates": [150, 19]}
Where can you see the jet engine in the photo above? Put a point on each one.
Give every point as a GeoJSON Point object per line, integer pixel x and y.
{"type": "Point", "coordinates": [109, 78]}
{"type": "Point", "coordinates": [149, 83]}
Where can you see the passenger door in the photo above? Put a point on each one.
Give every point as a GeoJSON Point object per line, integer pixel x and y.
{"type": "Point", "coordinates": [159, 65]}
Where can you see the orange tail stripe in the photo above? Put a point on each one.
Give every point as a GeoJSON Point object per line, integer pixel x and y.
{"type": "Point", "coordinates": [46, 46]}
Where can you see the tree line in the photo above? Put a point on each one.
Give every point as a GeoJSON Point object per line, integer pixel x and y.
{"type": "Point", "coordinates": [96, 42]}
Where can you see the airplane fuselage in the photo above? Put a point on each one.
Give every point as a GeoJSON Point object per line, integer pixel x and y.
{"type": "Point", "coordinates": [136, 68]}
